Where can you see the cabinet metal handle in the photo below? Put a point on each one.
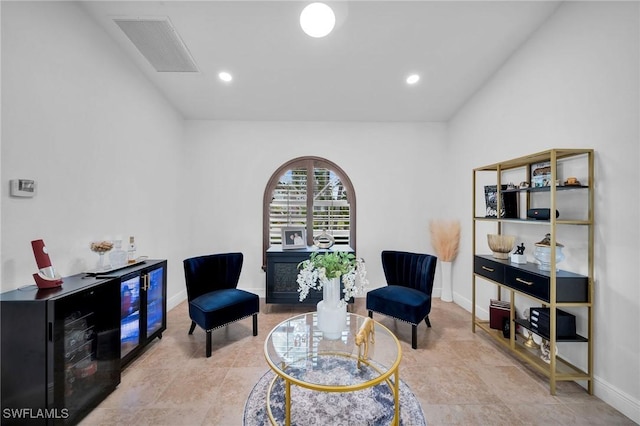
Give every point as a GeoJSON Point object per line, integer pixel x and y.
{"type": "Point", "coordinates": [520, 280]}
{"type": "Point", "coordinates": [145, 282]}
{"type": "Point", "coordinates": [488, 269]}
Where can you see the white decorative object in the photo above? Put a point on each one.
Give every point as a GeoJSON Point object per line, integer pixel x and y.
{"type": "Point", "coordinates": [445, 239]}
{"type": "Point", "coordinates": [518, 258]}
{"type": "Point", "coordinates": [101, 247]}
{"type": "Point", "coordinates": [447, 291]}
{"type": "Point", "coordinates": [325, 271]}
{"type": "Point", "coordinates": [332, 314]}
{"type": "Point", "coordinates": [543, 256]}
{"type": "Point", "coordinates": [545, 351]}
{"type": "Point", "coordinates": [542, 253]}
{"type": "Point", "coordinates": [324, 240]}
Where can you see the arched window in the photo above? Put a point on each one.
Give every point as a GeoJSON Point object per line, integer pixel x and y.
{"type": "Point", "coordinates": [311, 193]}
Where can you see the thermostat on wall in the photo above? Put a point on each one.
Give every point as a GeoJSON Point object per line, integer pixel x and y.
{"type": "Point", "coordinates": [22, 187]}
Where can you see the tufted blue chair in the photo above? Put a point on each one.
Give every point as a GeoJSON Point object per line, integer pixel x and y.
{"type": "Point", "coordinates": [407, 296]}
{"type": "Point", "coordinates": [214, 300]}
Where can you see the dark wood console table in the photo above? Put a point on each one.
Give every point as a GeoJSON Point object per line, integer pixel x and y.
{"type": "Point", "coordinates": [282, 273]}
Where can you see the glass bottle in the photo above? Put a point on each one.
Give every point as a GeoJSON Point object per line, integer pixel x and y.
{"type": "Point", "coordinates": [118, 257]}
{"type": "Point", "coordinates": [131, 252]}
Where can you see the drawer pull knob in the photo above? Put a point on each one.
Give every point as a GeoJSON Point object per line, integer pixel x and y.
{"type": "Point", "coordinates": [488, 269]}
{"type": "Point", "coordinates": [520, 280]}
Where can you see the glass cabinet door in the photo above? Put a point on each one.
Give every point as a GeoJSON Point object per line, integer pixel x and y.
{"type": "Point", "coordinates": [129, 314]}
{"type": "Point", "coordinates": [144, 307]}
{"type": "Point", "coordinates": [155, 300]}
{"type": "Point", "coordinates": [86, 354]}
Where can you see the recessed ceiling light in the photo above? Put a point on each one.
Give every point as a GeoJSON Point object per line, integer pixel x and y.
{"type": "Point", "coordinates": [225, 76]}
{"type": "Point", "coordinates": [413, 79]}
{"type": "Point", "coordinates": [317, 20]}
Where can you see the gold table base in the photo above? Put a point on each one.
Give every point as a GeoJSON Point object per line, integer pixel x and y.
{"type": "Point", "coordinates": [393, 386]}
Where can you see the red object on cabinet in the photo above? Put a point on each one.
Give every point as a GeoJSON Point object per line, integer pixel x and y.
{"type": "Point", "coordinates": [46, 277]}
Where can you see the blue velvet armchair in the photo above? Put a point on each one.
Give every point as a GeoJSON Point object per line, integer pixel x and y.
{"type": "Point", "coordinates": [407, 296]}
{"type": "Point", "coordinates": [214, 300]}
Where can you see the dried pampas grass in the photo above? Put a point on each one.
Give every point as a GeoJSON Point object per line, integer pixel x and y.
{"type": "Point", "coordinates": [445, 238]}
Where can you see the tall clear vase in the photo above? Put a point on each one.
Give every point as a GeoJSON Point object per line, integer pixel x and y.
{"type": "Point", "coordinates": [332, 315]}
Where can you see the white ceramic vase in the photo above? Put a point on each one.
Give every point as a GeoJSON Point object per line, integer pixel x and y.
{"type": "Point", "coordinates": [332, 315]}
{"type": "Point", "coordinates": [447, 286]}
{"type": "Point", "coordinates": [543, 256]}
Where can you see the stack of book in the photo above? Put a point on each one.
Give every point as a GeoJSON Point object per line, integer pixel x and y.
{"type": "Point", "coordinates": [498, 311]}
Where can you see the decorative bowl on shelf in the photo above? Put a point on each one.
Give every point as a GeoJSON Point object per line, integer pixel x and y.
{"type": "Point", "coordinates": [543, 256]}
{"type": "Point", "coordinates": [542, 253]}
{"type": "Point", "coordinates": [101, 247]}
{"type": "Point", "coordinates": [501, 245]}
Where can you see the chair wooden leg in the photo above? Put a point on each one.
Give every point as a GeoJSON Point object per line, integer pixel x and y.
{"type": "Point", "coordinates": [208, 343]}
{"type": "Point", "coordinates": [426, 320]}
{"type": "Point", "coordinates": [414, 336]}
{"type": "Point", "coordinates": [255, 324]}
{"type": "Point", "coordinates": [193, 327]}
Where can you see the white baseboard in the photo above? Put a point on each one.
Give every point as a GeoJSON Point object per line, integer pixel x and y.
{"type": "Point", "coordinates": [617, 399]}
{"type": "Point", "coordinates": [602, 389]}
{"type": "Point", "coordinates": [177, 299]}
{"type": "Point", "coordinates": [261, 292]}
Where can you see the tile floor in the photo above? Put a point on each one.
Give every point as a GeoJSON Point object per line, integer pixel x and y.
{"type": "Point", "coordinates": [460, 378]}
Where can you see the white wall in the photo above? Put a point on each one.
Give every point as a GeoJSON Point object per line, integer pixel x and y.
{"type": "Point", "coordinates": [393, 167]}
{"type": "Point", "coordinates": [108, 154]}
{"type": "Point", "coordinates": [573, 84]}
{"type": "Point", "coordinates": [110, 157]}
{"type": "Point", "coordinates": [103, 145]}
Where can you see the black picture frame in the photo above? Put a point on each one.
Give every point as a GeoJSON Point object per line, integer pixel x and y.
{"type": "Point", "coordinates": [508, 205]}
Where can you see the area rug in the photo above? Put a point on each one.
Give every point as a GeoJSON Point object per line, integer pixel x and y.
{"type": "Point", "coordinates": [371, 406]}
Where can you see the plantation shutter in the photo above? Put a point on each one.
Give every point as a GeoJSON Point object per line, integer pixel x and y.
{"type": "Point", "coordinates": [318, 204]}
{"type": "Point", "coordinates": [289, 203]}
{"type": "Point", "coordinates": [330, 206]}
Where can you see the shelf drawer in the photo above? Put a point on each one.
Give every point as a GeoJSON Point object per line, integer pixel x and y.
{"type": "Point", "coordinates": [570, 287]}
{"type": "Point", "coordinates": [528, 279]}
{"type": "Point", "coordinates": [526, 282]}
{"type": "Point", "coordinates": [488, 268]}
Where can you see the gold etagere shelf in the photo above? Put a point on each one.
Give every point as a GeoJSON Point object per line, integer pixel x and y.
{"type": "Point", "coordinates": [554, 282]}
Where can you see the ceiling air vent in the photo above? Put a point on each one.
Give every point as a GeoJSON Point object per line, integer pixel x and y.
{"type": "Point", "coordinates": [159, 42]}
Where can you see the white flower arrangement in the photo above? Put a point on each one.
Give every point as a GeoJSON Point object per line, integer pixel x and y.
{"type": "Point", "coordinates": [316, 272]}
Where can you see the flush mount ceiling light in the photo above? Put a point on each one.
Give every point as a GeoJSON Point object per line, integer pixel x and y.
{"type": "Point", "coordinates": [413, 79]}
{"type": "Point", "coordinates": [317, 20]}
{"type": "Point", "coordinates": [225, 76]}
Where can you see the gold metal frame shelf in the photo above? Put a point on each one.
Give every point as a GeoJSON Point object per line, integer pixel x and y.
{"type": "Point", "coordinates": [565, 371]}
{"type": "Point", "coordinates": [558, 369]}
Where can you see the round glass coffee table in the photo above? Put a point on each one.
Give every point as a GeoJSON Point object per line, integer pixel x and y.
{"type": "Point", "coordinates": [299, 354]}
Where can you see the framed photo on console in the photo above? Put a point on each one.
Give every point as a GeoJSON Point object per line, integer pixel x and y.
{"type": "Point", "coordinates": [293, 238]}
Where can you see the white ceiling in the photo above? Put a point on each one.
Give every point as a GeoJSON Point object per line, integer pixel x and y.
{"type": "Point", "coordinates": [356, 73]}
